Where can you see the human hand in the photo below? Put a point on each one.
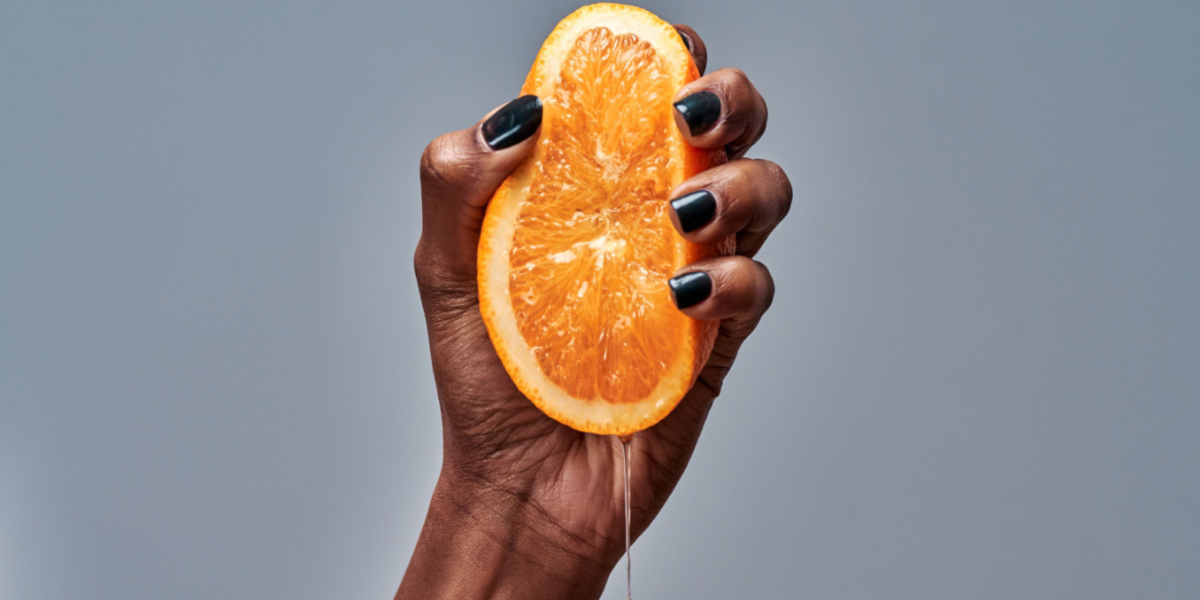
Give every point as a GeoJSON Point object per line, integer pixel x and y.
{"type": "Point", "coordinates": [524, 506]}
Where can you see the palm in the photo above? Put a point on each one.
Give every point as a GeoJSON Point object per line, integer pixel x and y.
{"type": "Point", "coordinates": [575, 478]}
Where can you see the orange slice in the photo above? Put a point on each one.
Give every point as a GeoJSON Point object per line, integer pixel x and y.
{"type": "Point", "coordinates": [577, 245]}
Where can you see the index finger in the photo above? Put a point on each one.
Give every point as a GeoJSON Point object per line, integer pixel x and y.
{"type": "Point", "coordinates": [721, 110]}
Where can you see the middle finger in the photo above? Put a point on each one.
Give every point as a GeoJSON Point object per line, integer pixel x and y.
{"type": "Point", "coordinates": [746, 197]}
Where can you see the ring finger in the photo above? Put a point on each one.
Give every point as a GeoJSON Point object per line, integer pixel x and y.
{"type": "Point", "coordinates": [746, 197]}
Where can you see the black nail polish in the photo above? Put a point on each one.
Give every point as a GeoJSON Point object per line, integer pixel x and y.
{"type": "Point", "coordinates": [513, 123]}
{"type": "Point", "coordinates": [687, 41]}
{"type": "Point", "coordinates": [695, 210]}
{"type": "Point", "coordinates": [690, 288]}
{"type": "Point", "coordinates": [700, 110]}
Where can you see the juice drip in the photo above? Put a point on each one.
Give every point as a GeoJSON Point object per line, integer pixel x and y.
{"type": "Point", "coordinates": [628, 560]}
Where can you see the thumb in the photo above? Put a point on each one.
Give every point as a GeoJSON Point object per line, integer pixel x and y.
{"type": "Point", "coordinates": [459, 173]}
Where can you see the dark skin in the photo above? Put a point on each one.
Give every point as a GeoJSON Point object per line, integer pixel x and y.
{"type": "Point", "coordinates": [526, 507]}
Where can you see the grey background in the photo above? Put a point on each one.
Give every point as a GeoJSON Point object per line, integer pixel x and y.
{"type": "Point", "coordinates": [980, 378]}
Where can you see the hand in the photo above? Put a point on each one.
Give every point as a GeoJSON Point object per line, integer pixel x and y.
{"type": "Point", "coordinates": [524, 506]}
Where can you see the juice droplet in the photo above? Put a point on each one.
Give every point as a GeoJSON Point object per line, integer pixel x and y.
{"type": "Point", "coordinates": [628, 560]}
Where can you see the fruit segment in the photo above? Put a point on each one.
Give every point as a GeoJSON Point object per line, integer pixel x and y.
{"type": "Point", "coordinates": [577, 245]}
{"type": "Point", "coordinates": [593, 243]}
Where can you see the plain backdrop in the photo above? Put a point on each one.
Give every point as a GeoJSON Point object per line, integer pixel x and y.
{"type": "Point", "coordinates": [980, 378]}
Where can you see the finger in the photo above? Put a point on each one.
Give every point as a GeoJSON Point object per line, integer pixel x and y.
{"type": "Point", "coordinates": [746, 197]}
{"type": "Point", "coordinates": [721, 110]}
{"type": "Point", "coordinates": [459, 173]}
{"type": "Point", "coordinates": [739, 291]}
{"type": "Point", "coordinates": [723, 288]}
{"type": "Point", "coordinates": [695, 45]}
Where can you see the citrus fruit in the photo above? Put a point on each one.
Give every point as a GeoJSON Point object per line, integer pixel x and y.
{"type": "Point", "coordinates": [577, 244]}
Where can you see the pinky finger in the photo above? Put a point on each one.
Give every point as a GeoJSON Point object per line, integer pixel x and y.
{"type": "Point", "coordinates": [730, 287]}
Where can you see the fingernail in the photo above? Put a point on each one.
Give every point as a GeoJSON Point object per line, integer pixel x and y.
{"type": "Point", "coordinates": [700, 110]}
{"type": "Point", "coordinates": [513, 123]}
{"type": "Point", "coordinates": [690, 288]}
{"type": "Point", "coordinates": [687, 41]}
{"type": "Point", "coordinates": [695, 210]}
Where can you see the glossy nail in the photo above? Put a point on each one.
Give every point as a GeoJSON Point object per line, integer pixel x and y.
{"type": "Point", "coordinates": [700, 110]}
{"type": "Point", "coordinates": [690, 288]}
{"type": "Point", "coordinates": [694, 210]}
{"type": "Point", "coordinates": [513, 123]}
{"type": "Point", "coordinates": [687, 41]}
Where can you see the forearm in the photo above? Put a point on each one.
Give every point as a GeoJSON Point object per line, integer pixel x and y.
{"type": "Point", "coordinates": [477, 544]}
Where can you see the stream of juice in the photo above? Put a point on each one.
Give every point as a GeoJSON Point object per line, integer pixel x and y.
{"type": "Point", "coordinates": [628, 561]}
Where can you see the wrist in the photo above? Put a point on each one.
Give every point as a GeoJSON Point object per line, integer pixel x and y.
{"type": "Point", "coordinates": [482, 542]}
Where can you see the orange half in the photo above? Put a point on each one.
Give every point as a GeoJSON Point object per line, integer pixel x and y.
{"type": "Point", "coordinates": [577, 245]}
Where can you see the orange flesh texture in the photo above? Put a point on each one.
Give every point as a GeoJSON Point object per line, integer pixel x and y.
{"type": "Point", "coordinates": [594, 246]}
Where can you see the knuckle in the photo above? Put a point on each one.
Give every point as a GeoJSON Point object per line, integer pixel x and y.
{"type": "Point", "coordinates": [427, 266]}
{"type": "Point", "coordinates": [745, 92]}
{"type": "Point", "coordinates": [440, 283]}
{"type": "Point", "coordinates": [444, 163]}
{"type": "Point", "coordinates": [747, 117]}
{"type": "Point", "coordinates": [737, 76]}
{"type": "Point", "coordinates": [422, 263]}
{"type": "Point", "coordinates": [782, 183]}
{"type": "Point", "coordinates": [734, 84]}
{"type": "Point", "coordinates": [435, 160]}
